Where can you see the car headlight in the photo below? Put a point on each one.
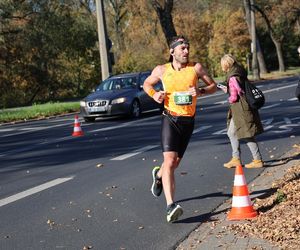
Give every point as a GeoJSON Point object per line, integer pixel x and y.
{"type": "Point", "coordinates": [82, 103]}
{"type": "Point", "coordinates": [118, 100]}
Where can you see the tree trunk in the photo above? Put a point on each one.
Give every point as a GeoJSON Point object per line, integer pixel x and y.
{"type": "Point", "coordinates": [277, 42]}
{"type": "Point", "coordinates": [165, 18]}
{"type": "Point", "coordinates": [33, 96]}
{"type": "Point", "coordinates": [260, 56]}
{"type": "Point", "coordinates": [120, 12]}
{"type": "Point", "coordinates": [278, 46]}
{"type": "Point", "coordinates": [255, 69]}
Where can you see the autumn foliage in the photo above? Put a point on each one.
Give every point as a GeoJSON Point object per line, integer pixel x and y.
{"type": "Point", "coordinates": [49, 49]}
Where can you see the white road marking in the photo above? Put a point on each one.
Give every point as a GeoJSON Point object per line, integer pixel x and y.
{"type": "Point", "coordinates": [33, 128]}
{"type": "Point", "coordinates": [268, 127]}
{"type": "Point", "coordinates": [221, 102]}
{"type": "Point", "coordinates": [293, 99]}
{"type": "Point", "coordinates": [122, 125]}
{"type": "Point", "coordinates": [279, 88]}
{"type": "Point", "coordinates": [25, 130]}
{"type": "Point", "coordinates": [6, 129]}
{"type": "Point", "coordinates": [138, 151]}
{"type": "Point", "coordinates": [271, 106]}
{"type": "Point", "coordinates": [141, 150]}
{"type": "Point", "coordinates": [221, 132]}
{"type": "Point", "coordinates": [34, 190]}
{"type": "Point", "coordinates": [201, 129]}
{"type": "Point", "coordinates": [268, 121]}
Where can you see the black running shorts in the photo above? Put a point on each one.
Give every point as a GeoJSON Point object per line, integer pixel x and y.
{"type": "Point", "coordinates": [176, 132]}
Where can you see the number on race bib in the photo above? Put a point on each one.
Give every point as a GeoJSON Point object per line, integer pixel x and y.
{"type": "Point", "coordinates": [182, 98]}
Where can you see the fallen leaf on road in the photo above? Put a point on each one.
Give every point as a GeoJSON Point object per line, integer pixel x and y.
{"type": "Point", "coordinates": [87, 247]}
{"type": "Point", "coordinates": [50, 222]}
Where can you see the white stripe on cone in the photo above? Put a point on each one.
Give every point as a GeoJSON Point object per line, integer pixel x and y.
{"type": "Point", "coordinates": [239, 180]}
{"type": "Point", "coordinates": [77, 129]}
{"type": "Point", "coordinates": [241, 201]}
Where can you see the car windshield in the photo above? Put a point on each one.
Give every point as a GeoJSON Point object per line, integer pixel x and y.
{"type": "Point", "coordinates": [117, 84]}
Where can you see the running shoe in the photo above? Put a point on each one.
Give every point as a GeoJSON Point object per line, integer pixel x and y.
{"type": "Point", "coordinates": [174, 211]}
{"type": "Point", "coordinates": [157, 186]}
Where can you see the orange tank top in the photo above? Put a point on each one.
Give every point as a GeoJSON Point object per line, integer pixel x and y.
{"type": "Point", "coordinates": [176, 85]}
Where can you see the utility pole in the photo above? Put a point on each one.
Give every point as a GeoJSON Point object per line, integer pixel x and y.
{"type": "Point", "coordinates": [255, 69]}
{"type": "Point", "coordinates": [102, 37]}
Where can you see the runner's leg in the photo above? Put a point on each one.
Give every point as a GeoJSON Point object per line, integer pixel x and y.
{"type": "Point", "coordinates": [171, 162]}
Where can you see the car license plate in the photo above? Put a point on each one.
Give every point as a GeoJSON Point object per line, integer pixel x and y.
{"type": "Point", "coordinates": [96, 109]}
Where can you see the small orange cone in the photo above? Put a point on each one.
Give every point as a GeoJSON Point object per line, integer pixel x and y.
{"type": "Point", "coordinates": [77, 129]}
{"type": "Point", "coordinates": [241, 204]}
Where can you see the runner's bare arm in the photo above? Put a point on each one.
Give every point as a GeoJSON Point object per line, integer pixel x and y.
{"type": "Point", "coordinates": [211, 84]}
{"type": "Point", "coordinates": [153, 79]}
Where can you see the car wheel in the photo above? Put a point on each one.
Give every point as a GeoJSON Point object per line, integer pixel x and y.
{"type": "Point", "coordinates": [89, 119]}
{"type": "Point", "coordinates": [135, 109]}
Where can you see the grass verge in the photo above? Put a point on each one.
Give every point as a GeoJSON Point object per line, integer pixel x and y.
{"type": "Point", "coordinates": [38, 111]}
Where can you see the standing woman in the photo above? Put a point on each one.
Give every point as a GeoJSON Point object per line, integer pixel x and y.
{"type": "Point", "coordinates": [242, 121]}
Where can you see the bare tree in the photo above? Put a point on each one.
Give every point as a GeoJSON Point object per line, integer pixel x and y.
{"type": "Point", "coordinates": [118, 15]}
{"type": "Point", "coordinates": [164, 9]}
{"type": "Point", "coordinates": [260, 56]}
{"type": "Point", "coordinates": [277, 40]}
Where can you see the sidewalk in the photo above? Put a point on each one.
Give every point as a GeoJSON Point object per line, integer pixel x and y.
{"type": "Point", "coordinates": [213, 233]}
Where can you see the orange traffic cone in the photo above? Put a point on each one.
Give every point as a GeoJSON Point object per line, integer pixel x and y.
{"type": "Point", "coordinates": [77, 129]}
{"type": "Point", "coordinates": [241, 204]}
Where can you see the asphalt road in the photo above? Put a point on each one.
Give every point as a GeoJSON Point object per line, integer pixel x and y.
{"type": "Point", "coordinates": [64, 192]}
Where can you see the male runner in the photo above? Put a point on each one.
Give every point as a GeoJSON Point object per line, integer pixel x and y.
{"type": "Point", "coordinates": [180, 82]}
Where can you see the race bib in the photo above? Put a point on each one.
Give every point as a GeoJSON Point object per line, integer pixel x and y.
{"type": "Point", "coordinates": [183, 98]}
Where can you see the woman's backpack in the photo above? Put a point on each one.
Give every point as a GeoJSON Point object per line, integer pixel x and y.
{"type": "Point", "coordinates": [254, 95]}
